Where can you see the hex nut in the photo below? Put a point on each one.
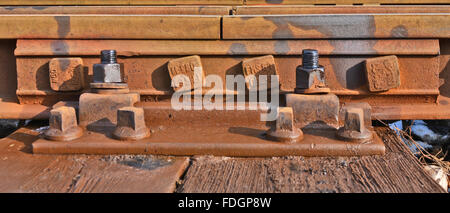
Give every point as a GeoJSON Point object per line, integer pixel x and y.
{"type": "Point", "coordinates": [311, 80]}
{"type": "Point", "coordinates": [63, 125]}
{"type": "Point", "coordinates": [131, 124]}
{"type": "Point", "coordinates": [107, 73]}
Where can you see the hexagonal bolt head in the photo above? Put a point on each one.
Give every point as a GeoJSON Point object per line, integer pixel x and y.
{"type": "Point", "coordinates": [131, 124]}
{"type": "Point", "coordinates": [310, 76]}
{"type": "Point", "coordinates": [284, 129]}
{"type": "Point", "coordinates": [107, 73]}
{"type": "Point", "coordinates": [63, 124]}
{"type": "Point", "coordinates": [354, 129]}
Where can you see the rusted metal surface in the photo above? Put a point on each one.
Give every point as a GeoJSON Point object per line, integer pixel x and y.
{"type": "Point", "coordinates": [63, 125]}
{"type": "Point", "coordinates": [138, 10]}
{"type": "Point", "coordinates": [336, 9]}
{"type": "Point", "coordinates": [148, 75]}
{"type": "Point", "coordinates": [336, 26]}
{"type": "Point", "coordinates": [354, 128]}
{"type": "Point", "coordinates": [8, 80]}
{"type": "Point", "coordinates": [346, 2]}
{"type": "Point", "coordinates": [314, 111]}
{"type": "Point", "coordinates": [215, 2]}
{"type": "Point", "coordinates": [127, 2]}
{"type": "Point", "coordinates": [412, 111]}
{"type": "Point", "coordinates": [367, 109]}
{"type": "Point", "coordinates": [130, 48]}
{"type": "Point", "coordinates": [130, 124]}
{"type": "Point", "coordinates": [310, 76]}
{"type": "Point", "coordinates": [66, 74]}
{"type": "Point", "coordinates": [186, 66]}
{"type": "Point", "coordinates": [110, 26]}
{"type": "Point", "coordinates": [11, 110]}
{"type": "Point", "coordinates": [226, 141]}
{"type": "Point", "coordinates": [101, 109]}
{"type": "Point", "coordinates": [382, 73]}
{"type": "Point", "coordinates": [22, 171]}
{"type": "Point", "coordinates": [263, 65]}
{"type": "Point", "coordinates": [444, 72]}
{"type": "Point", "coordinates": [283, 129]}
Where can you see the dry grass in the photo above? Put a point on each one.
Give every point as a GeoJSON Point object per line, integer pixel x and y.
{"type": "Point", "coordinates": [425, 157]}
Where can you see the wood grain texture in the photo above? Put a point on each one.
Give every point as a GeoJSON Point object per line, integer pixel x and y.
{"type": "Point", "coordinates": [397, 171]}
{"type": "Point", "coordinates": [21, 171]}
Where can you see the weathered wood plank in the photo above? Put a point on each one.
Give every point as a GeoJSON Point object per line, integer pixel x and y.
{"type": "Point", "coordinates": [21, 171]}
{"type": "Point", "coordinates": [130, 174]}
{"type": "Point", "coordinates": [397, 171]}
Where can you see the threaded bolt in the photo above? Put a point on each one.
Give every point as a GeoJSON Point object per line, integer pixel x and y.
{"type": "Point", "coordinates": [310, 59]}
{"type": "Point", "coordinates": [108, 57]}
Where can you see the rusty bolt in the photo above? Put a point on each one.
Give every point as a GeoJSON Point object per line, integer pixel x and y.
{"type": "Point", "coordinates": [310, 76]}
{"type": "Point", "coordinates": [109, 70]}
{"type": "Point", "coordinates": [131, 124]}
{"type": "Point", "coordinates": [63, 125]}
{"type": "Point", "coordinates": [354, 128]}
{"type": "Point", "coordinates": [284, 129]}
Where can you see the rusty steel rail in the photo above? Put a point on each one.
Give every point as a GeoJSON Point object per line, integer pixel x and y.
{"type": "Point", "coordinates": [223, 37]}
{"type": "Point", "coordinates": [110, 26]}
{"type": "Point", "coordinates": [337, 26]}
{"type": "Point", "coordinates": [215, 2]}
